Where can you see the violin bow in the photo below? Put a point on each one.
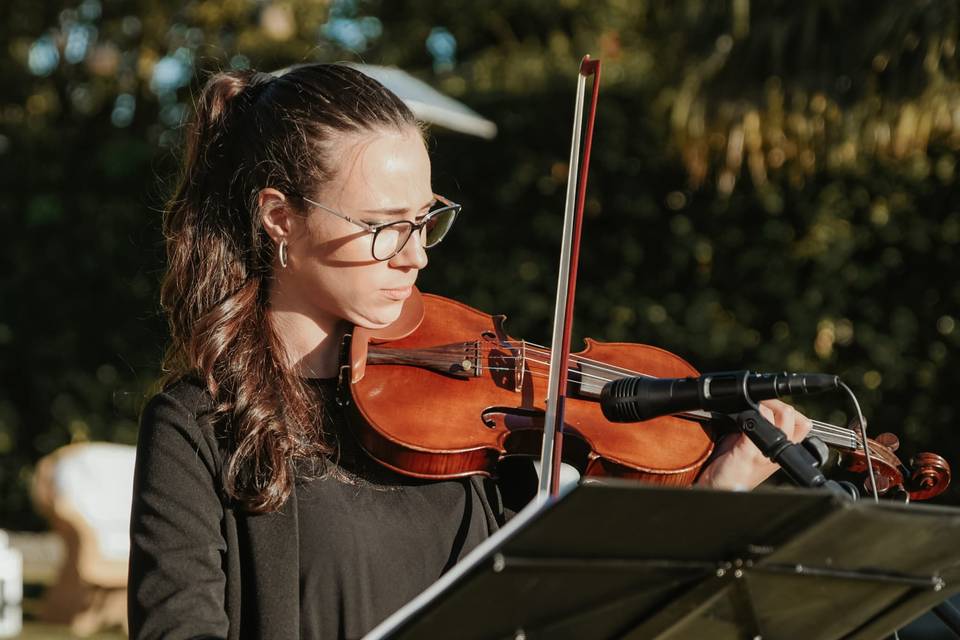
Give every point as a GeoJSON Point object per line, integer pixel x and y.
{"type": "Point", "coordinates": [567, 283]}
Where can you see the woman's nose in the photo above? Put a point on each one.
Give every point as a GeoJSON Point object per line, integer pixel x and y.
{"type": "Point", "coordinates": [412, 255]}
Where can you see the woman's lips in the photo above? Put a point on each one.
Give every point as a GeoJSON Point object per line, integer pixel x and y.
{"type": "Point", "coordinates": [398, 294]}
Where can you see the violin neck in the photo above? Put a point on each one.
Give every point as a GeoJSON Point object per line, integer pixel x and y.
{"type": "Point", "coordinates": [832, 435]}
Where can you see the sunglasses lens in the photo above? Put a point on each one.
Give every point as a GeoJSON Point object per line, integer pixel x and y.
{"type": "Point", "coordinates": [438, 226]}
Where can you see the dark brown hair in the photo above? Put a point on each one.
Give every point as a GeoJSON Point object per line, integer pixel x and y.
{"type": "Point", "coordinates": [252, 131]}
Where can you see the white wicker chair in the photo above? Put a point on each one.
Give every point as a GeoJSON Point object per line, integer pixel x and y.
{"type": "Point", "coordinates": [85, 492]}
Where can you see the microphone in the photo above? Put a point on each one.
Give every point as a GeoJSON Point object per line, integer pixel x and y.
{"type": "Point", "coordinates": [639, 398]}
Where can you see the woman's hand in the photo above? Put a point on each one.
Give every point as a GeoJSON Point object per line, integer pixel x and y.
{"type": "Point", "coordinates": [737, 463]}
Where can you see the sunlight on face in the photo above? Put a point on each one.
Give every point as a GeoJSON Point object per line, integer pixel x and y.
{"type": "Point", "coordinates": [332, 276]}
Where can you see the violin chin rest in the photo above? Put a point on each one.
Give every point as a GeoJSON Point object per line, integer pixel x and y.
{"type": "Point", "coordinates": [409, 320]}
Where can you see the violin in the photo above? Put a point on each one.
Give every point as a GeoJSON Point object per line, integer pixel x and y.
{"type": "Point", "coordinates": [445, 392]}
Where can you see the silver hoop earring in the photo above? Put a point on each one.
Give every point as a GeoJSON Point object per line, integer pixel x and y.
{"type": "Point", "coordinates": [282, 253]}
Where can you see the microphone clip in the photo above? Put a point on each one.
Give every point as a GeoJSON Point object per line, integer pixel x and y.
{"type": "Point", "coordinates": [795, 459]}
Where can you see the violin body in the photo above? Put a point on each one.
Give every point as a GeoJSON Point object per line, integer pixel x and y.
{"type": "Point", "coordinates": [450, 394]}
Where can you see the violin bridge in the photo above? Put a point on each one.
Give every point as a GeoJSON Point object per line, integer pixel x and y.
{"type": "Point", "coordinates": [519, 364]}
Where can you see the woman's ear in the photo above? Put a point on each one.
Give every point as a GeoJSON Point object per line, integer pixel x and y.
{"type": "Point", "coordinates": [276, 214]}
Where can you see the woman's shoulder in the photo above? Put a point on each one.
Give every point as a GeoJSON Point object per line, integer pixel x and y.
{"type": "Point", "coordinates": [181, 409]}
{"type": "Point", "coordinates": [179, 463]}
{"type": "Point", "coordinates": [188, 392]}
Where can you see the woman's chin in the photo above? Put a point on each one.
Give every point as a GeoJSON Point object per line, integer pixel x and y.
{"type": "Point", "coordinates": [383, 316]}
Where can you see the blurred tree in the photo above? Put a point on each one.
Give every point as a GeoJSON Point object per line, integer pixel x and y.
{"type": "Point", "coordinates": [772, 185]}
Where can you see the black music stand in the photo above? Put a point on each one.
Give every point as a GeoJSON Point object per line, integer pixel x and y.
{"type": "Point", "coordinates": [622, 560]}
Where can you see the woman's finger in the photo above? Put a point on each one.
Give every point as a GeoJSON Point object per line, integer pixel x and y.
{"type": "Point", "coordinates": [794, 424]}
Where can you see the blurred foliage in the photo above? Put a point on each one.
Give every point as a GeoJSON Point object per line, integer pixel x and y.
{"type": "Point", "coordinates": [772, 186]}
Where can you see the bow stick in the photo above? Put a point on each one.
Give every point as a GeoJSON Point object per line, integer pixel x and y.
{"type": "Point", "coordinates": [566, 283]}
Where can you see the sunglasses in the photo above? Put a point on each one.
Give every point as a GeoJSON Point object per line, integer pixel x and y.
{"type": "Point", "coordinates": [389, 238]}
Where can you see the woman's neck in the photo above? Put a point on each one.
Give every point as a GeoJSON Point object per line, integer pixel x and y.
{"type": "Point", "coordinates": [312, 348]}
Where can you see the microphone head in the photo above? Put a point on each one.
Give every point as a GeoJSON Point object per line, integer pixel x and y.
{"type": "Point", "coordinates": [640, 398]}
{"type": "Point", "coordinates": [614, 399]}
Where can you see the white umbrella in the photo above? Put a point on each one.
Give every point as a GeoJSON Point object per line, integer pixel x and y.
{"type": "Point", "coordinates": [428, 104]}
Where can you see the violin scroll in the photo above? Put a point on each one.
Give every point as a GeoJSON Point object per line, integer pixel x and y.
{"type": "Point", "coordinates": [927, 476]}
{"type": "Point", "coordinates": [929, 473]}
{"type": "Point", "coordinates": [930, 477]}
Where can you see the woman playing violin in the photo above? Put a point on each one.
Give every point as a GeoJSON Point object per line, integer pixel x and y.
{"type": "Point", "coordinates": [305, 207]}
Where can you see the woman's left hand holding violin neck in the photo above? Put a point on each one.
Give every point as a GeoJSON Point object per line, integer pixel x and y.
{"type": "Point", "coordinates": [738, 464]}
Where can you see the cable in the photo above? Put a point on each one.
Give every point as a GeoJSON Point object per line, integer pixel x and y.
{"type": "Point", "coordinates": [862, 423]}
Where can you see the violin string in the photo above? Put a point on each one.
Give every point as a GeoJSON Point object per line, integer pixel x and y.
{"type": "Point", "coordinates": [845, 435]}
{"type": "Point", "coordinates": [827, 425]}
{"type": "Point", "coordinates": [835, 440]}
{"type": "Point", "coordinates": [842, 435]}
{"type": "Point", "coordinates": [848, 435]}
{"type": "Point", "coordinates": [824, 427]}
{"type": "Point", "coordinates": [831, 433]}
{"type": "Point", "coordinates": [820, 429]}
{"type": "Point", "coordinates": [540, 350]}
{"type": "Point", "coordinates": [545, 352]}
{"type": "Point", "coordinates": [839, 440]}
{"type": "Point", "coordinates": [580, 373]}
{"type": "Point", "coordinates": [851, 442]}
{"type": "Point", "coordinates": [837, 435]}
{"type": "Point", "coordinates": [843, 442]}
{"type": "Point", "coordinates": [600, 366]}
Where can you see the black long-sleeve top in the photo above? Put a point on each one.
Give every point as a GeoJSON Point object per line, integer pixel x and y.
{"type": "Point", "coordinates": [341, 555]}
